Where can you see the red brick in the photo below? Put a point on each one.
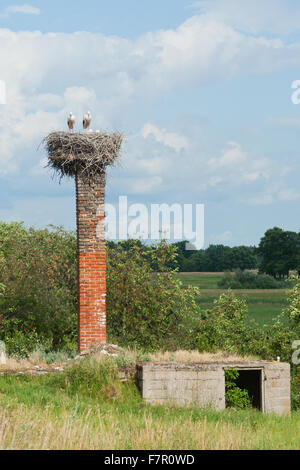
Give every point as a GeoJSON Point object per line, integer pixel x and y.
{"type": "Point", "coordinates": [91, 262]}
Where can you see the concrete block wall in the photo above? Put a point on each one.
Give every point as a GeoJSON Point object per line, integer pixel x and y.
{"type": "Point", "coordinates": [277, 388]}
{"type": "Point", "coordinates": [90, 196]}
{"type": "Point", "coordinates": [203, 384]}
{"type": "Point", "coordinates": [182, 384]}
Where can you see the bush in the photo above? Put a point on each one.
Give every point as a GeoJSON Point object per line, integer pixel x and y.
{"type": "Point", "coordinates": [89, 377]}
{"type": "Point", "coordinates": [38, 272]}
{"type": "Point", "coordinates": [235, 397]}
{"type": "Point", "coordinates": [292, 312]}
{"type": "Point", "coordinates": [44, 354]}
{"type": "Point", "coordinates": [292, 315]}
{"type": "Point", "coordinates": [146, 308]}
{"type": "Point", "coordinates": [295, 387]}
{"type": "Point", "coordinates": [19, 338]}
{"type": "Point", "coordinates": [223, 327]}
{"type": "Point", "coordinates": [226, 327]}
{"type": "Point", "coordinates": [94, 379]}
{"type": "Point", "coordinates": [247, 280]}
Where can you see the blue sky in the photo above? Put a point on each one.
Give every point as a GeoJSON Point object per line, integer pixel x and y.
{"type": "Point", "coordinates": [201, 90]}
{"type": "Point", "coordinates": [127, 19]}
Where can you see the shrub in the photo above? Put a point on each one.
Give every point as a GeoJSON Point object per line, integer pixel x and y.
{"type": "Point", "coordinates": [292, 312]}
{"type": "Point", "coordinates": [295, 387]}
{"type": "Point", "coordinates": [146, 308]}
{"type": "Point", "coordinates": [89, 377]}
{"type": "Point", "coordinates": [248, 280]}
{"type": "Point", "coordinates": [223, 326]}
{"type": "Point", "coordinates": [38, 270]}
{"type": "Point", "coordinates": [292, 315]}
{"type": "Point", "coordinates": [95, 379]}
{"type": "Point", "coordinates": [19, 338]}
{"type": "Point", "coordinates": [235, 397]}
{"type": "Point", "coordinates": [44, 354]}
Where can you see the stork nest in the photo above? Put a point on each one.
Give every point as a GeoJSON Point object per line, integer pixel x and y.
{"type": "Point", "coordinates": [86, 154]}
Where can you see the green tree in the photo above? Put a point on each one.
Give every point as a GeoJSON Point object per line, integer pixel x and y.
{"type": "Point", "coordinates": [242, 257]}
{"type": "Point", "coordinates": [280, 252]}
{"type": "Point", "coordinates": [219, 258]}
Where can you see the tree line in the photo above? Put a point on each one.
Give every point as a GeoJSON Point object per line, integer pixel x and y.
{"type": "Point", "coordinates": [277, 254]}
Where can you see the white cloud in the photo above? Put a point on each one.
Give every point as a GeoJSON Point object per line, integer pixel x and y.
{"type": "Point", "coordinates": [49, 75]}
{"type": "Point", "coordinates": [120, 70]}
{"type": "Point", "coordinates": [142, 185]}
{"type": "Point", "coordinates": [235, 174]}
{"type": "Point", "coordinates": [40, 168]}
{"type": "Point", "coordinates": [169, 139]}
{"type": "Point", "coordinates": [237, 167]}
{"type": "Point", "coordinates": [7, 163]}
{"type": "Point", "coordinates": [154, 165]}
{"type": "Point", "coordinates": [232, 155]}
{"type": "Point", "coordinates": [25, 9]}
{"type": "Point", "coordinates": [47, 100]}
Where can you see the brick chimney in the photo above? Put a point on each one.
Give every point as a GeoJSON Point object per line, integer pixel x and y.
{"type": "Point", "coordinates": [90, 194]}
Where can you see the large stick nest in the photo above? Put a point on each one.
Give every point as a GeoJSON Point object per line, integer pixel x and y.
{"type": "Point", "coordinates": [86, 154]}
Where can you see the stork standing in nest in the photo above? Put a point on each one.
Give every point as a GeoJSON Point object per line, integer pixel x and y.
{"type": "Point", "coordinates": [71, 121]}
{"type": "Point", "coordinates": [86, 120]}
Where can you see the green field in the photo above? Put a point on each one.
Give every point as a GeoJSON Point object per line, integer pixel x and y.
{"type": "Point", "coordinates": [201, 280]}
{"type": "Point", "coordinates": [263, 304]}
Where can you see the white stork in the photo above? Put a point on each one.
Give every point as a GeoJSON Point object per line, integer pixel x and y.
{"type": "Point", "coordinates": [71, 121]}
{"type": "Point", "coordinates": [86, 120]}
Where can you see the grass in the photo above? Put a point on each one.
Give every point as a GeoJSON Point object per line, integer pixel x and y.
{"type": "Point", "coordinates": [86, 407]}
{"type": "Point", "coordinates": [202, 280]}
{"type": "Point", "coordinates": [127, 358]}
{"type": "Point", "coordinates": [263, 304]}
{"type": "Point", "coordinates": [196, 356]}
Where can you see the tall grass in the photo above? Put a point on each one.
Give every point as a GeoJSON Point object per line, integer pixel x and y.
{"type": "Point", "coordinates": [87, 407]}
{"type": "Point", "coordinates": [32, 428]}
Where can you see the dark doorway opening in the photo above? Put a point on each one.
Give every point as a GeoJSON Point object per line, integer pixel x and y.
{"type": "Point", "coordinates": [250, 380]}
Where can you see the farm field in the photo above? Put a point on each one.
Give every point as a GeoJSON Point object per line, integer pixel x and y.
{"type": "Point", "coordinates": [263, 304]}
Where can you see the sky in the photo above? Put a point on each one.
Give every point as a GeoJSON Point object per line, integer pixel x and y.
{"type": "Point", "coordinates": [201, 90]}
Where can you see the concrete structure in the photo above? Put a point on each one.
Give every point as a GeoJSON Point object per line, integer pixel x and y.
{"type": "Point", "coordinates": [90, 194]}
{"type": "Point", "coordinates": [203, 384]}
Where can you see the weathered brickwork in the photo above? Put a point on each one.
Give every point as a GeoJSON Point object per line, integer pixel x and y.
{"type": "Point", "coordinates": [90, 196]}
